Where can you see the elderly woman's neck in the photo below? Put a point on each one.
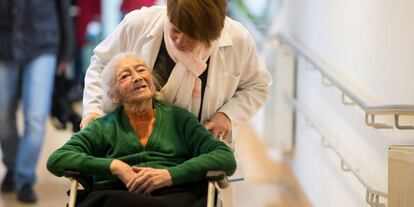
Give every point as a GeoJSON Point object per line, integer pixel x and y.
{"type": "Point", "coordinates": [138, 108]}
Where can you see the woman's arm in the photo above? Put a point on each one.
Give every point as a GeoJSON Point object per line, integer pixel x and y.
{"type": "Point", "coordinates": [81, 153]}
{"type": "Point", "coordinates": [92, 95]}
{"type": "Point", "coordinates": [254, 84]}
{"type": "Point", "coordinates": [208, 153]}
{"type": "Point", "coordinates": [127, 37]}
{"type": "Point", "coordinates": [66, 45]}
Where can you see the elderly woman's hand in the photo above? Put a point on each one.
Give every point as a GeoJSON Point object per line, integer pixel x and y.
{"type": "Point", "coordinates": [219, 125]}
{"type": "Point", "coordinates": [147, 180]}
{"type": "Point", "coordinates": [88, 118]}
{"type": "Point", "coordinates": [122, 170]}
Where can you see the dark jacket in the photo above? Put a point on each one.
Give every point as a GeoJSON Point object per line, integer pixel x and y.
{"type": "Point", "coordinates": [29, 28]}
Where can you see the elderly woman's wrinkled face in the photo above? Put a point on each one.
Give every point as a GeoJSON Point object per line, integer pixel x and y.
{"type": "Point", "coordinates": [134, 81]}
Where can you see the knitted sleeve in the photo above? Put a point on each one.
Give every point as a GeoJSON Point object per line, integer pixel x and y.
{"type": "Point", "coordinates": [207, 154]}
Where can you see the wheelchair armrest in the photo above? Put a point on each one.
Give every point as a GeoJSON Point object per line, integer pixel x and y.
{"type": "Point", "coordinates": [218, 176]}
{"type": "Point", "coordinates": [71, 174]}
{"type": "Point", "coordinates": [85, 182]}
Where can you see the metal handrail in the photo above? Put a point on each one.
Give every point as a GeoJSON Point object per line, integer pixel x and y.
{"type": "Point", "coordinates": [328, 78]}
{"type": "Point", "coordinates": [372, 196]}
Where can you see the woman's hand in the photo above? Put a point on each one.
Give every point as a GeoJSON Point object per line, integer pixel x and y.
{"type": "Point", "coordinates": [219, 125]}
{"type": "Point", "coordinates": [147, 180]}
{"type": "Point", "coordinates": [62, 67]}
{"type": "Point", "coordinates": [88, 118]}
{"type": "Point", "coordinates": [122, 170]}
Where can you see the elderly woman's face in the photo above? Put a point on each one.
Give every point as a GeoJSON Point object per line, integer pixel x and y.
{"type": "Point", "coordinates": [134, 80]}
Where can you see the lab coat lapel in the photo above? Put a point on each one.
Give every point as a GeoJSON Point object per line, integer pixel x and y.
{"type": "Point", "coordinates": [215, 70]}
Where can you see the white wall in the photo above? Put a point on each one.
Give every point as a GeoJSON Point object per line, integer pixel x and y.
{"type": "Point", "coordinates": [370, 44]}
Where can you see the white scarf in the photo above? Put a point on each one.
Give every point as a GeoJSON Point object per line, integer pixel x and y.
{"type": "Point", "coordinates": [183, 87]}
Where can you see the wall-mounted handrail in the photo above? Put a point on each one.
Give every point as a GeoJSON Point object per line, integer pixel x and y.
{"type": "Point", "coordinates": [349, 97]}
{"type": "Point", "coordinates": [372, 196]}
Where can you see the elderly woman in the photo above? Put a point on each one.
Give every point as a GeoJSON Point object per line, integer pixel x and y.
{"type": "Point", "coordinates": [146, 152]}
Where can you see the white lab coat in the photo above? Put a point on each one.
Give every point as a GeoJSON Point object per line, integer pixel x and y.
{"type": "Point", "coordinates": [237, 83]}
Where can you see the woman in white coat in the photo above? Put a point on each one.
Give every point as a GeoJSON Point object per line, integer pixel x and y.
{"type": "Point", "coordinates": [205, 62]}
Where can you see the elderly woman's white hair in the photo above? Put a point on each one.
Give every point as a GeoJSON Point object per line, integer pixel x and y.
{"type": "Point", "coordinates": [108, 82]}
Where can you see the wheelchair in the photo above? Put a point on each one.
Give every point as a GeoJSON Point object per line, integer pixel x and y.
{"type": "Point", "coordinates": [216, 179]}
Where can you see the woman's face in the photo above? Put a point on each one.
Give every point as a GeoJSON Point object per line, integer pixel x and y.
{"type": "Point", "coordinates": [182, 41]}
{"type": "Point", "coordinates": [134, 81]}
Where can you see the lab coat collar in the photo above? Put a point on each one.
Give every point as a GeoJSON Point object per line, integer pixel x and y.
{"type": "Point", "coordinates": [157, 26]}
{"type": "Point", "coordinates": [224, 39]}
{"type": "Point", "coordinates": [153, 40]}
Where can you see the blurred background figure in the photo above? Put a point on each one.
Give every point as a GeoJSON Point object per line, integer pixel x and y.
{"type": "Point", "coordinates": [130, 5]}
{"type": "Point", "coordinates": [68, 87]}
{"type": "Point", "coordinates": [36, 39]}
{"type": "Point", "coordinates": [88, 13]}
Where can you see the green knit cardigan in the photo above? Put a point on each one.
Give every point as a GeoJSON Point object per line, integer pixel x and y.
{"type": "Point", "coordinates": [178, 143]}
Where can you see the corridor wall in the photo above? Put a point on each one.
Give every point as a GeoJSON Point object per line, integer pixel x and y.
{"type": "Point", "coordinates": [370, 45]}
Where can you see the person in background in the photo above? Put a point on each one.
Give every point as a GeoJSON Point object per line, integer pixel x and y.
{"type": "Point", "coordinates": [206, 62]}
{"type": "Point", "coordinates": [131, 5]}
{"type": "Point", "coordinates": [144, 152]}
{"type": "Point", "coordinates": [88, 11]}
{"type": "Point", "coordinates": [36, 40]}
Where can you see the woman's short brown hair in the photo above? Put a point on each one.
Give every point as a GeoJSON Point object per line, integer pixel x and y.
{"type": "Point", "coordinates": [200, 19]}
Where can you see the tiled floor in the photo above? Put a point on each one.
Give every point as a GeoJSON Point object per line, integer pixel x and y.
{"type": "Point", "coordinates": [267, 183]}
